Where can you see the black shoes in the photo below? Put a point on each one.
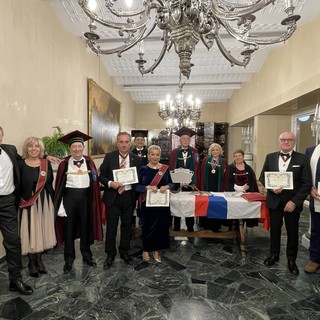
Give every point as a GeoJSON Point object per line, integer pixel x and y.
{"type": "Point", "coordinates": [270, 261]}
{"type": "Point", "coordinates": [67, 267]}
{"type": "Point", "coordinates": [109, 261]}
{"type": "Point", "coordinates": [89, 262]}
{"type": "Point", "coordinates": [292, 267]}
{"type": "Point", "coordinates": [126, 258]}
{"type": "Point", "coordinates": [21, 287]}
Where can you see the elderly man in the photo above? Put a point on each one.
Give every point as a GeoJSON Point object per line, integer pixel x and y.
{"type": "Point", "coordinates": [286, 204]}
{"type": "Point", "coordinates": [77, 201]}
{"type": "Point", "coordinates": [9, 199]}
{"type": "Point", "coordinates": [186, 157]}
{"type": "Point", "coordinates": [119, 199]}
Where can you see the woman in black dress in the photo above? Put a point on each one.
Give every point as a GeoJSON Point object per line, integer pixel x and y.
{"type": "Point", "coordinates": [155, 220]}
{"type": "Point", "coordinates": [36, 212]}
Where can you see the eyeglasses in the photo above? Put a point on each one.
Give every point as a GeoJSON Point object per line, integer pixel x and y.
{"type": "Point", "coordinates": [286, 140]}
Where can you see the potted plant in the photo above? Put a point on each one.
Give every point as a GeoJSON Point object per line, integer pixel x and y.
{"type": "Point", "coordinates": [53, 147]}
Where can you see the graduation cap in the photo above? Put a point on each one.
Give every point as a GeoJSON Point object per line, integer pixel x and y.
{"type": "Point", "coordinates": [184, 131]}
{"type": "Point", "coordinates": [74, 136]}
{"type": "Point", "coordinates": [139, 133]}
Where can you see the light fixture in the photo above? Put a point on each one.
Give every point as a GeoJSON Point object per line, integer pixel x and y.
{"type": "Point", "coordinates": [183, 23]}
{"type": "Point", "coordinates": [180, 112]}
{"type": "Point", "coordinates": [247, 137]}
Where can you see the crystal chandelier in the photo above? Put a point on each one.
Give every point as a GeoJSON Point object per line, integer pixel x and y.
{"type": "Point", "coordinates": [180, 112]}
{"type": "Point", "coordinates": [315, 124]}
{"type": "Point", "coordinates": [183, 23]}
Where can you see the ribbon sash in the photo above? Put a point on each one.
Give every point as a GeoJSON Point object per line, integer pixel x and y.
{"type": "Point", "coordinates": [155, 181]}
{"type": "Point", "coordinates": [41, 182]}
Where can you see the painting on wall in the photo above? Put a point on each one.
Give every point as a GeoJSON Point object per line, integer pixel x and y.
{"type": "Point", "coordinates": [104, 120]}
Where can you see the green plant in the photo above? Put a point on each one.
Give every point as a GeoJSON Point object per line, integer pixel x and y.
{"type": "Point", "coordinates": [54, 147]}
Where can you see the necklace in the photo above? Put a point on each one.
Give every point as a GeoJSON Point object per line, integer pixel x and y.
{"type": "Point", "coordinates": [214, 164]}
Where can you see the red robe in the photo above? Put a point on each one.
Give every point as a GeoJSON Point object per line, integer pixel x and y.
{"type": "Point", "coordinates": [96, 213]}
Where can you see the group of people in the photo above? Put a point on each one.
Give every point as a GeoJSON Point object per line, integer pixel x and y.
{"type": "Point", "coordinates": [34, 216]}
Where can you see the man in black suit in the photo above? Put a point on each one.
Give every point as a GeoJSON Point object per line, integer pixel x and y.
{"type": "Point", "coordinates": [119, 199]}
{"type": "Point", "coordinates": [9, 199]}
{"type": "Point", "coordinates": [287, 204]}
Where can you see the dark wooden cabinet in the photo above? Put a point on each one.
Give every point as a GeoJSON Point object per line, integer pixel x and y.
{"type": "Point", "coordinates": [210, 132]}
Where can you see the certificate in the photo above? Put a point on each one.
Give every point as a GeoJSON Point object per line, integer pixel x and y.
{"type": "Point", "coordinates": [276, 179]}
{"type": "Point", "coordinates": [126, 175]}
{"type": "Point", "coordinates": [157, 199]}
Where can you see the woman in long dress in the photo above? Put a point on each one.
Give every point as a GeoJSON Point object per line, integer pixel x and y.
{"type": "Point", "coordinates": [36, 212]}
{"type": "Point", "coordinates": [155, 220]}
{"type": "Point", "coordinates": [213, 168]}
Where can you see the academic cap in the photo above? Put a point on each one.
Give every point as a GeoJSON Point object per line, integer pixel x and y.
{"type": "Point", "coordinates": [139, 133]}
{"type": "Point", "coordinates": [185, 131]}
{"type": "Point", "coordinates": [74, 136]}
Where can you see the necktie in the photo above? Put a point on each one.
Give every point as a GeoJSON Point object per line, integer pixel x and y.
{"type": "Point", "coordinates": [121, 190]}
{"type": "Point", "coordinates": [284, 156]}
{"type": "Point", "coordinates": [78, 163]}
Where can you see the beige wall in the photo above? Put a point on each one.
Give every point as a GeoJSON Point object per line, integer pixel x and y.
{"type": "Point", "coordinates": [289, 72]}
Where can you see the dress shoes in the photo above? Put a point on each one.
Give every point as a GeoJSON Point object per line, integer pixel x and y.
{"type": "Point", "coordinates": [311, 267]}
{"type": "Point", "coordinates": [270, 261]}
{"type": "Point", "coordinates": [90, 262]}
{"type": "Point", "coordinates": [292, 267]}
{"type": "Point", "coordinates": [109, 261]}
{"type": "Point", "coordinates": [67, 267]}
{"type": "Point", "coordinates": [21, 287]}
{"type": "Point", "coordinates": [126, 258]}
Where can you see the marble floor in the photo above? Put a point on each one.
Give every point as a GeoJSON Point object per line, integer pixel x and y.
{"type": "Point", "coordinates": [198, 279]}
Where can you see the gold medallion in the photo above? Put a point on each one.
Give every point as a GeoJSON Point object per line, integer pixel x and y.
{"type": "Point", "coordinates": [43, 173]}
{"type": "Point", "coordinates": [213, 171]}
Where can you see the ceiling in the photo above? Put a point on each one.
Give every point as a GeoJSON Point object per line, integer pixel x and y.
{"type": "Point", "coordinates": [212, 78]}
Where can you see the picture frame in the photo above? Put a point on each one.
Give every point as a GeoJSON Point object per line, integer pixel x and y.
{"type": "Point", "coordinates": [104, 120]}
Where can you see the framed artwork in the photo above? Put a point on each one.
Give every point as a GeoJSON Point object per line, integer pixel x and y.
{"type": "Point", "coordinates": [104, 120]}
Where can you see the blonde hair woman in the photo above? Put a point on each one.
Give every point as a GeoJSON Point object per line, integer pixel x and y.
{"type": "Point", "coordinates": [36, 211]}
{"type": "Point", "coordinates": [155, 220]}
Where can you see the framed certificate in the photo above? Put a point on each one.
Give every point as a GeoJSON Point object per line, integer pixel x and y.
{"type": "Point", "coordinates": [158, 199]}
{"type": "Point", "coordinates": [276, 179]}
{"type": "Point", "coordinates": [126, 176]}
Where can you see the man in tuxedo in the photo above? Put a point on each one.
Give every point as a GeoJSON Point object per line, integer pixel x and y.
{"type": "Point", "coordinates": [119, 199]}
{"type": "Point", "coordinates": [186, 157]}
{"type": "Point", "coordinates": [283, 203]}
{"type": "Point", "coordinates": [9, 200]}
{"type": "Point", "coordinates": [314, 263]}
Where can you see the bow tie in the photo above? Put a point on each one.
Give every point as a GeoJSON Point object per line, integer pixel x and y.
{"type": "Point", "coordinates": [184, 150]}
{"type": "Point", "coordinates": [285, 155]}
{"type": "Point", "coordinates": [78, 162]}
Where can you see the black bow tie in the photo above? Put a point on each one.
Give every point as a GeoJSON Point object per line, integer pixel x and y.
{"type": "Point", "coordinates": [184, 150]}
{"type": "Point", "coordinates": [286, 155]}
{"type": "Point", "coordinates": [77, 162]}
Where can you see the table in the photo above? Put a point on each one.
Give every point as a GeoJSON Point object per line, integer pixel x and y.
{"type": "Point", "coordinates": [219, 205]}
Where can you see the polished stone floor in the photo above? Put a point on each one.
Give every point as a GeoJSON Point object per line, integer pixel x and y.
{"type": "Point", "coordinates": [198, 279]}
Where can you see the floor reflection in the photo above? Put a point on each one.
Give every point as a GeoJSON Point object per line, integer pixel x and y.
{"type": "Point", "coordinates": [197, 279]}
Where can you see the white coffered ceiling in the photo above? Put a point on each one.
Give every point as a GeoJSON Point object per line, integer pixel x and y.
{"type": "Point", "coordinates": [212, 78]}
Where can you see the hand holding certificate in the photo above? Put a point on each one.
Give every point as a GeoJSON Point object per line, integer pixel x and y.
{"type": "Point", "coordinates": [277, 180]}
{"type": "Point", "coordinates": [126, 176]}
{"type": "Point", "coordinates": [157, 199]}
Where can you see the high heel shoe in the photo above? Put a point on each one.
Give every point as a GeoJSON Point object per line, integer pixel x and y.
{"type": "Point", "coordinates": [33, 271]}
{"type": "Point", "coordinates": [156, 256]}
{"type": "Point", "coordinates": [39, 264]}
{"type": "Point", "coordinates": [145, 256]}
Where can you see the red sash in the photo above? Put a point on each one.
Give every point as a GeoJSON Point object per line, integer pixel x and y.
{"type": "Point", "coordinates": [156, 179]}
{"type": "Point", "coordinates": [41, 182]}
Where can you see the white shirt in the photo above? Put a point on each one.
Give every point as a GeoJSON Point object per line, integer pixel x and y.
{"type": "Point", "coordinates": [6, 174]}
{"type": "Point", "coordinates": [80, 181]}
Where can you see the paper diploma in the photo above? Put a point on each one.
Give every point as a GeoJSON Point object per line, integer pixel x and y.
{"type": "Point", "coordinates": [276, 180]}
{"type": "Point", "coordinates": [126, 176]}
{"type": "Point", "coordinates": [317, 202]}
{"type": "Point", "coordinates": [158, 199]}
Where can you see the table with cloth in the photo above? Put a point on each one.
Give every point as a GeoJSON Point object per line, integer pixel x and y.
{"type": "Point", "coordinates": [219, 205]}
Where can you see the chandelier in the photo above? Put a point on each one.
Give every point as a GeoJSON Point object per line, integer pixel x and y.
{"type": "Point", "coordinates": [180, 112]}
{"type": "Point", "coordinates": [315, 124]}
{"type": "Point", "coordinates": [183, 23]}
